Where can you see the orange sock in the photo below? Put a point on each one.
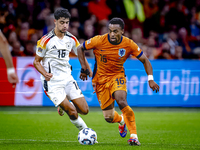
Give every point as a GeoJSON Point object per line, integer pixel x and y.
{"type": "Point", "coordinates": [117, 118]}
{"type": "Point", "coordinates": [129, 118]}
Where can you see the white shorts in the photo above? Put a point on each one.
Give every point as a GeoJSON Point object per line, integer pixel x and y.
{"type": "Point", "coordinates": [58, 90]}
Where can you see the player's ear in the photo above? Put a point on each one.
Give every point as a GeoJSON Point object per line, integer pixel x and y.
{"type": "Point", "coordinates": [122, 31]}
{"type": "Point", "coordinates": [55, 21]}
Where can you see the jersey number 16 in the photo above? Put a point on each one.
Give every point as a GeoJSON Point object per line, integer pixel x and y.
{"type": "Point", "coordinates": [61, 53]}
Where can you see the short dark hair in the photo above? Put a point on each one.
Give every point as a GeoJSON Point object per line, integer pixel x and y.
{"type": "Point", "coordinates": [117, 21]}
{"type": "Point", "coordinates": [61, 12]}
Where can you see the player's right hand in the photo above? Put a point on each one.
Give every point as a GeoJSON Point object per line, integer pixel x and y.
{"type": "Point", "coordinates": [48, 76]}
{"type": "Point", "coordinates": [13, 79]}
{"type": "Point", "coordinates": [83, 76]}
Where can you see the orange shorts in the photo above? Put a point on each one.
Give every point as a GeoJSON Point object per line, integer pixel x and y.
{"type": "Point", "coordinates": [104, 91]}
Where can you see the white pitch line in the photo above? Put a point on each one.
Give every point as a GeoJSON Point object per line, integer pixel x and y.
{"type": "Point", "coordinates": [35, 140]}
{"type": "Point", "coordinates": [28, 112]}
{"type": "Point", "coordinates": [31, 140]}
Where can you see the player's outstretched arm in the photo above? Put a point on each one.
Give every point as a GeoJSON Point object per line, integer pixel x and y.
{"type": "Point", "coordinates": [12, 76]}
{"type": "Point", "coordinates": [148, 68]}
{"type": "Point", "coordinates": [5, 51]}
{"type": "Point", "coordinates": [84, 64]}
{"type": "Point", "coordinates": [88, 67]}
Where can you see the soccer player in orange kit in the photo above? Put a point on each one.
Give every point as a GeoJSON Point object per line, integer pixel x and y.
{"type": "Point", "coordinates": [111, 51]}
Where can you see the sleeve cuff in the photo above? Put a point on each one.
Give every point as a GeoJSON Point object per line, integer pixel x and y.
{"type": "Point", "coordinates": [140, 54]}
{"type": "Point", "coordinates": [84, 46]}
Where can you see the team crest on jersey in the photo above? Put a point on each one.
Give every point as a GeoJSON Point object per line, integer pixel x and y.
{"type": "Point", "coordinates": [68, 45]}
{"type": "Point", "coordinates": [122, 52]}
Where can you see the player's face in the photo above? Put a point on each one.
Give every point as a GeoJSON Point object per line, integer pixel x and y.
{"type": "Point", "coordinates": [62, 24]}
{"type": "Point", "coordinates": [115, 33]}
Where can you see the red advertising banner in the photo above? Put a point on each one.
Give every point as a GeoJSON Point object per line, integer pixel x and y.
{"type": "Point", "coordinates": [7, 93]}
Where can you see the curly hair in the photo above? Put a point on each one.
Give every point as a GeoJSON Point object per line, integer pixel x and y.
{"type": "Point", "coordinates": [61, 12]}
{"type": "Point", "coordinates": [117, 21]}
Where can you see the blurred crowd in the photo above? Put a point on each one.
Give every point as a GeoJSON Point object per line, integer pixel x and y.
{"type": "Point", "coordinates": [163, 29]}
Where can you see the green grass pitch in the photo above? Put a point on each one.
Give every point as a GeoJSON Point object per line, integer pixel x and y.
{"type": "Point", "coordinates": [28, 128]}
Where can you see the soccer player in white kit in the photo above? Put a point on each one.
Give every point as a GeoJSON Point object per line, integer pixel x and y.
{"type": "Point", "coordinates": [53, 51]}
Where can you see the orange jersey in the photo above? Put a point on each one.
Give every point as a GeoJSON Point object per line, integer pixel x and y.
{"type": "Point", "coordinates": [110, 58]}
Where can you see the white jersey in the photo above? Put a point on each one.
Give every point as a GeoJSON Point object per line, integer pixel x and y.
{"type": "Point", "coordinates": [55, 53]}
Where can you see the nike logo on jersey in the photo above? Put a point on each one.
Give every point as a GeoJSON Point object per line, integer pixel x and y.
{"type": "Point", "coordinates": [54, 47]}
{"type": "Point", "coordinates": [103, 50]}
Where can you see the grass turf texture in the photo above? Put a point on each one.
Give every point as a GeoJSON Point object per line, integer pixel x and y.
{"type": "Point", "coordinates": [42, 128]}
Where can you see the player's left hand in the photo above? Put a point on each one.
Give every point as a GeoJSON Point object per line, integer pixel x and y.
{"type": "Point", "coordinates": [154, 86]}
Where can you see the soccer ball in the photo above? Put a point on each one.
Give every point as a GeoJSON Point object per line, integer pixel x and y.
{"type": "Point", "coordinates": [87, 136]}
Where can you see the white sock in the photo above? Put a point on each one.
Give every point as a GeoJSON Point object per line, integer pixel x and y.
{"type": "Point", "coordinates": [72, 104]}
{"type": "Point", "coordinates": [79, 123]}
{"type": "Point", "coordinates": [122, 121]}
{"type": "Point", "coordinates": [134, 136]}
